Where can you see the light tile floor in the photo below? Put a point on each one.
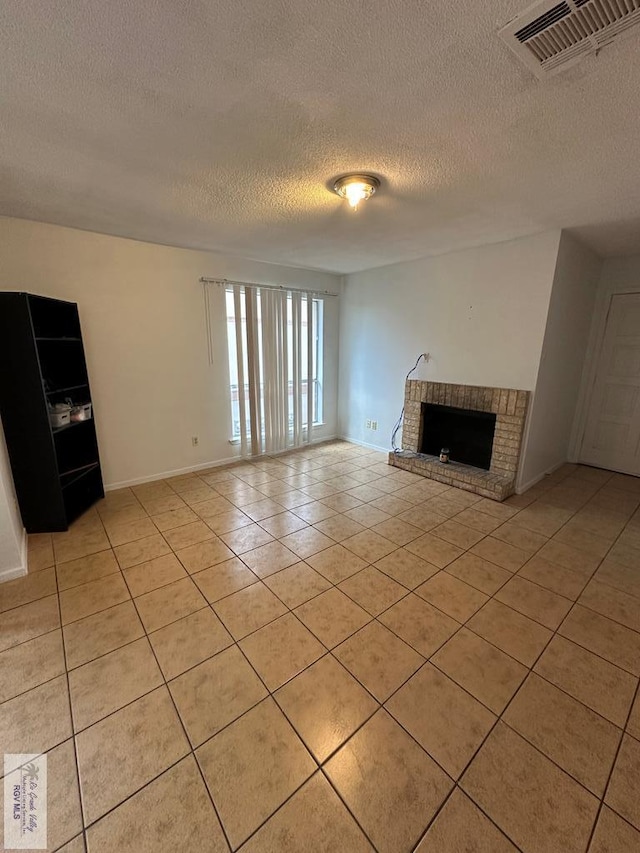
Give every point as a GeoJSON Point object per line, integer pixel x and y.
{"type": "Point", "coordinates": [321, 652]}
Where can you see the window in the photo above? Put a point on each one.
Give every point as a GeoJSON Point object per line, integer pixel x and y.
{"type": "Point", "coordinates": [274, 350]}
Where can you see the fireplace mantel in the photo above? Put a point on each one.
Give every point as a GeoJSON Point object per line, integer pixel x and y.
{"type": "Point", "coordinates": [510, 408]}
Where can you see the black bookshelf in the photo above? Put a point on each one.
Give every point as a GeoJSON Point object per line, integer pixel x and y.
{"type": "Point", "coordinates": [56, 470]}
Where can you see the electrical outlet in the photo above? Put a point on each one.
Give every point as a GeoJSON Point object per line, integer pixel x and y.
{"type": "Point", "coordinates": [374, 424]}
{"type": "Point", "coordinates": [194, 440]}
{"type": "Point", "coordinates": [367, 424]}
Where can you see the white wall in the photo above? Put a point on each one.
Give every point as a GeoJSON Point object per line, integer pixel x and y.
{"type": "Point", "coordinates": [617, 275]}
{"type": "Point", "coordinates": [12, 535]}
{"type": "Point", "coordinates": [480, 313]}
{"type": "Point", "coordinates": [564, 350]}
{"type": "Point", "coordinates": [141, 308]}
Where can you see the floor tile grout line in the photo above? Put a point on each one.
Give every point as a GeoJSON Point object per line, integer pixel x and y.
{"type": "Point", "coordinates": [271, 695]}
{"type": "Point", "coordinates": [422, 666]}
{"type": "Point", "coordinates": [126, 704]}
{"type": "Point", "coordinates": [234, 642]}
{"type": "Point", "coordinates": [378, 707]}
{"type": "Point", "coordinates": [531, 671]}
{"type": "Point", "coordinates": [305, 626]}
{"type": "Point", "coordinates": [374, 618]}
{"type": "Point", "coordinates": [621, 732]}
{"type": "Point", "coordinates": [612, 768]}
{"type": "Point", "coordinates": [570, 571]}
{"type": "Point", "coordinates": [500, 716]}
{"type": "Point", "coordinates": [289, 797]}
{"type": "Point", "coordinates": [51, 747]}
{"type": "Point", "coordinates": [128, 797]}
{"type": "Point", "coordinates": [445, 540]}
{"type": "Point", "coordinates": [579, 603]}
{"type": "Point", "coordinates": [437, 813]}
{"type": "Point", "coordinates": [330, 651]}
{"type": "Point", "coordinates": [613, 586]}
{"type": "Point", "coordinates": [102, 609]}
{"type": "Point", "coordinates": [227, 596]}
{"type": "Point", "coordinates": [118, 603]}
{"type": "Point", "coordinates": [622, 817]}
{"type": "Point", "coordinates": [337, 793]}
{"type": "Point", "coordinates": [460, 624]}
{"type": "Point", "coordinates": [540, 586]}
{"type": "Point", "coordinates": [408, 593]}
{"type": "Point", "coordinates": [183, 728]}
{"type": "Point", "coordinates": [36, 637]}
{"type": "Point", "coordinates": [490, 594]}
{"type": "Point", "coordinates": [35, 687]}
{"type": "Point", "coordinates": [475, 753]}
{"type": "Point", "coordinates": [327, 649]}
{"type": "Point", "coordinates": [80, 835]}
{"type": "Point", "coordinates": [426, 660]}
{"type": "Point", "coordinates": [274, 573]}
{"type": "Point", "coordinates": [84, 583]}
{"type": "Point", "coordinates": [71, 721]}
{"type": "Point", "coordinates": [31, 600]}
{"type": "Point", "coordinates": [591, 576]}
{"type": "Point", "coordinates": [456, 787]}
{"type": "Point", "coordinates": [576, 603]}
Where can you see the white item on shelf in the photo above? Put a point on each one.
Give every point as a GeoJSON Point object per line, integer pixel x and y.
{"type": "Point", "coordinates": [81, 413]}
{"type": "Point", "coordinates": [60, 415]}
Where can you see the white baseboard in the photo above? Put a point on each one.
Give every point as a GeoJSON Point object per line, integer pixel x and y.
{"type": "Point", "coordinates": [323, 440]}
{"type": "Point", "coordinates": [165, 475]}
{"type": "Point", "coordinates": [521, 488]}
{"type": "Point", "coordinates": [11, 574]}
{"type": "Point", "coordinates": [229, 460]}
{"type": "Point", "coordinates": [364, 444]}
{"type": "Point", "coordinates": [17, 571]}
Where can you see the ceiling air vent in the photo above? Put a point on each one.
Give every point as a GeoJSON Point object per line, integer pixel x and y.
{"type": "Point", "coordinates": [550, 36]}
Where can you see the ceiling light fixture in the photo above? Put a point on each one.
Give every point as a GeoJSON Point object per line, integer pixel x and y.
{"type": "Point", "coordinates": [356, 188]}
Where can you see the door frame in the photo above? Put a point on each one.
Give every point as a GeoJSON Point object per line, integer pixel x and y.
{"type": "Point", "coordinates": [612, 283]}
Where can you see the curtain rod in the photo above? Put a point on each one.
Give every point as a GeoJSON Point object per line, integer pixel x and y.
{"type": "Point", "coordinates": [226, 281]}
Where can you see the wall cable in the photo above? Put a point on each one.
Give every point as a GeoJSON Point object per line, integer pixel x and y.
{"type": "Point", "coordinates": [398, 424]}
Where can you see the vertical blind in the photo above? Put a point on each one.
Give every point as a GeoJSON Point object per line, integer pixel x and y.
{"type": "Point", "coordinates": [272, 340]}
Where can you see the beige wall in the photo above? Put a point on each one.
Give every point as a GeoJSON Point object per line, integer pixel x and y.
{"type": "Point", "coordinates": [564, 351]}
{"type": "Point", "coordinates": [483, 314]}
{"type": "Point", "coordinates": [141, 307]}
{"type": "Point", "coordinates": [480, 313]}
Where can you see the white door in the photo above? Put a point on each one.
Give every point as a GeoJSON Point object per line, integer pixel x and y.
{"type": "Point", "coordinates": [612, 434]}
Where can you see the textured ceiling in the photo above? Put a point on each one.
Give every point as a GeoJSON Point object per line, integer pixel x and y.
{"type": "Point", "coordinates": [219, 125]}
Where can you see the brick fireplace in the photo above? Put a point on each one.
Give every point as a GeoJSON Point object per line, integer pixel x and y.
{"type": "Point", "coordinates": [510, 409]}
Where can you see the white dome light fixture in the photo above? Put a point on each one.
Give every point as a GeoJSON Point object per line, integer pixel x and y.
{"type": "Point", "coordinates": [356, 188]}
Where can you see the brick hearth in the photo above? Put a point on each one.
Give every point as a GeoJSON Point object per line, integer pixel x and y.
{"type": "Point", "coordinates": [510, 408]}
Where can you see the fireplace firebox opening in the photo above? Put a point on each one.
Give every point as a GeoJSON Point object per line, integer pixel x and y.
{"type": "Point", "coordinates": [467, 433]}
